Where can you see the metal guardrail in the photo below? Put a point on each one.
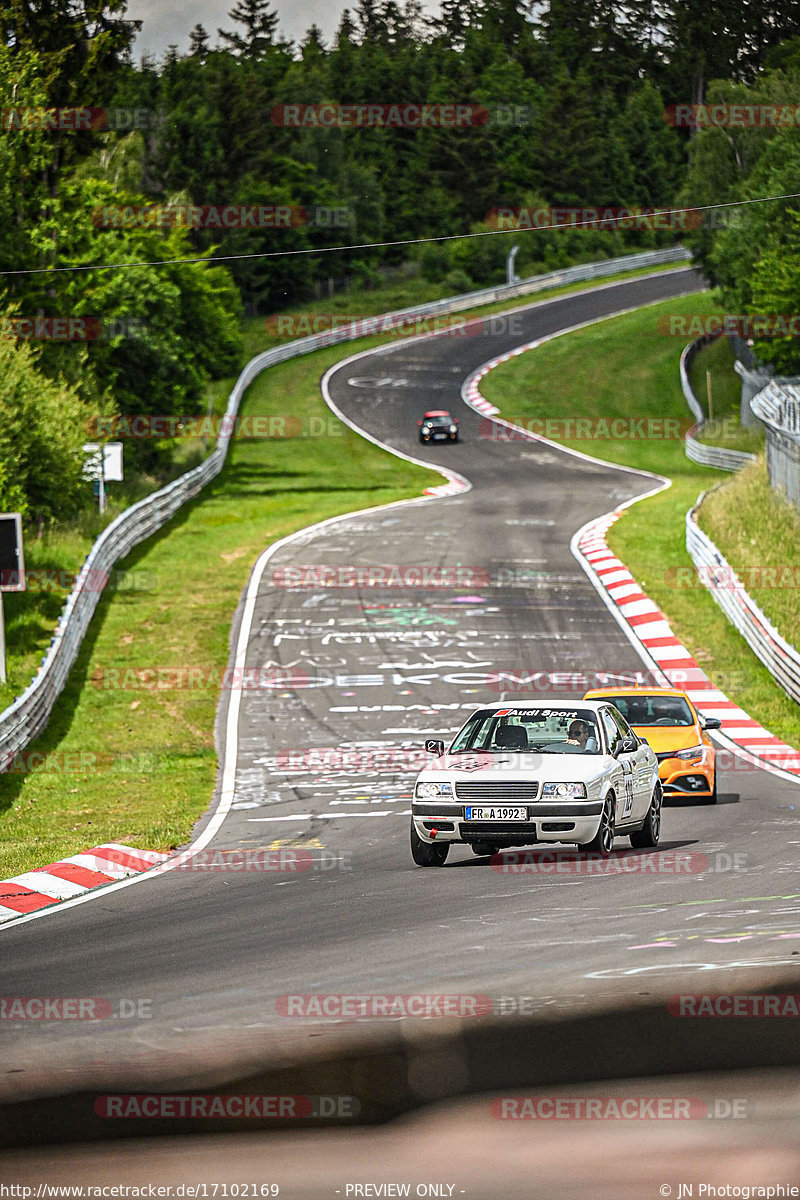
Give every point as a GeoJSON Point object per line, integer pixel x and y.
{"type": "Point", "coordinates": [778, 406]}
{"type": "Point", "coordinates": [779, 657]}
{"type": "Point", "coordinates": [25, 719]}
{"type": "Point", "coordinates": [697, 451]}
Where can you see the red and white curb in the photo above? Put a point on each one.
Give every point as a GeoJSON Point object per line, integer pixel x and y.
{"type": "Point", "coordinates": [650, 627]}
{"type": "Point", "coordinates": [72, 877]}
{"type": "Point", "coordinates": [646, 626]}
{"type": "Point", "coordinates": [453, 488]}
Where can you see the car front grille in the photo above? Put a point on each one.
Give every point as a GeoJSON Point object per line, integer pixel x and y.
{"type": "Point", "coordinates": [484, 790]}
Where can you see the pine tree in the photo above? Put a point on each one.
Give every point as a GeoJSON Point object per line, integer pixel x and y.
{"type": "Point", "coordinates": [260, 21]}
{"type": "Point", "coordinates": [313, 44]}
{"type": "Point", "coordinates": [198, 42]}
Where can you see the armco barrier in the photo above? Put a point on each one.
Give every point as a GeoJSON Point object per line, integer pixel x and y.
{"type": "Point", "coordinates": [699, 452]}
{"type": "Point", "coordinates": [778, 656]}
{"type": "Point", "coordinates": [23, 720]}
{"type": "Point", "coordinates": [778, 406]}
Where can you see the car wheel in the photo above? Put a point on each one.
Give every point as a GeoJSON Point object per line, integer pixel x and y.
{"type": "Point", "coordinates": [603, 841]}
{"type": "Point", "coordinates": [428, 854]}
{"type": "Point", "coordinates": [483, 849]}
{"type": "Point", "coordinates": [650, 832]}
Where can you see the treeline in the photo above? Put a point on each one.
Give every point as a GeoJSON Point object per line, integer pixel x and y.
{"type": "Point", "coordinates": [574, 95]}
{"type": "Point", "coordinates": [754, 254]}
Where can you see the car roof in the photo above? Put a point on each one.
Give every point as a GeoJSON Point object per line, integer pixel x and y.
{"type": "Point", "coordinates": [592, 705]}
{"type": "Point", "coordinates": [437, 412]}
{"type": "Point", "coordinates": [635, 691]}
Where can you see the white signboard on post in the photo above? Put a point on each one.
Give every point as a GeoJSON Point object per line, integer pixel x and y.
{"type": "Point", "coordinates": [109, 467]}
{"type": "Point", "coordinates": [12, 571]}
{"type": "Point", "coordinates": [103, 464]}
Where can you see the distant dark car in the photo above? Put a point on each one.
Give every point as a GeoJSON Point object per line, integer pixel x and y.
{"type": "Point", "coordinates": [438, 426]}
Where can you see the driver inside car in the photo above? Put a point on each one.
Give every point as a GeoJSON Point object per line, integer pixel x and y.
{"type": "Point", "coordinates": [581, 733]}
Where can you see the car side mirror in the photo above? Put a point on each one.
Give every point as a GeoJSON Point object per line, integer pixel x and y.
{"type": "Point", "coordinates": [419, 422]}
{"type": "Point", "coordinates": [434, 746]}
{"type": "Point", "coordinates": [626, 745]}
{"type": "Point", "coordinates": [710, 723]}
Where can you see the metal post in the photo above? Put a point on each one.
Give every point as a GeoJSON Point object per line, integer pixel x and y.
{"type": "Point", "coordinates": [2, 643]}
{"type": "Point", "coordinates": [102, 493]}
{"type": "Point", "coordinates": [511, 276]}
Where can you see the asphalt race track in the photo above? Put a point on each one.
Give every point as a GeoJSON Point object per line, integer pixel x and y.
{"type": "Point", "coordinates": [368, 669]}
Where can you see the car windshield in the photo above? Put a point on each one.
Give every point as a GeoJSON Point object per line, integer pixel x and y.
{"type": "Point", "coordinates": [533, 730]}
{"type": "Point", "coordinates": [445, 420]}
{"type": "Point", "coordinates": [654, 710]}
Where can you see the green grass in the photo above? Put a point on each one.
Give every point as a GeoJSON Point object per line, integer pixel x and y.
{"type": "Point", "coordinates": [592, 374]}
{"type": "Point", "coordinates": [724, 427]}
{"type": "Point", "coordinates": [758, 532]}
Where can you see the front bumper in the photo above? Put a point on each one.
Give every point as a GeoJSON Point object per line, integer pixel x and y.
{"type": "Point", "coordinates": [576, 821]}
{"type": "Point", "coordinates": [679, 778]}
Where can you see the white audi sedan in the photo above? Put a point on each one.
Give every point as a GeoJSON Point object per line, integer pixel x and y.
{"type": "Point", "coordinates": [521, 773]}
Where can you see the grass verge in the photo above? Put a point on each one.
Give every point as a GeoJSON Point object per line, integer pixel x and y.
{"type": "Point", "coordinates": [724, 426]}
{"type": "Point", "coordinates": [591, 374]}
{"type": "Point", "coordinates": [758, 532]}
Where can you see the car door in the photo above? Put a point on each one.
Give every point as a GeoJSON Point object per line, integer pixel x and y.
{"type": "Point", "coordinates": [623, 771]}
{"type": "Point", "coordinates": [641, 769]}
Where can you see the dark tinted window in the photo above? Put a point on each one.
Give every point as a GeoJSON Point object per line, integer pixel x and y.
{"type": "Point", "coordinates": [654, 710]}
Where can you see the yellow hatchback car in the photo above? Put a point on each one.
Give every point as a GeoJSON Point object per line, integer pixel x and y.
{"type": "Point", "coordinates": [677, 733]}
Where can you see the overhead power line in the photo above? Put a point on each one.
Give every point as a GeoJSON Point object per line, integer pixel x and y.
{"type": "Point", "coordinates": [450, 237]}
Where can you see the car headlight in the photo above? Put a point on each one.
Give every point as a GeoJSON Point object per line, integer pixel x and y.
{"type": "Point", "coordinates": [454, 429]}
{"type": "Point", "coordinates": [565, 791]}
{"type": "Point", "coordinates": [431, 791]}
{"type": "Point", "coordinates": [692, 752]}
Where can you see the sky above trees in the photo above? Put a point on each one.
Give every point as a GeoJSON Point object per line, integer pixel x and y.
{"type": "Point", "coordinates": [165, 24]}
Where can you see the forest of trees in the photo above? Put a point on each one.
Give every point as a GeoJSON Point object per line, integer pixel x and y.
{"type": "Point", "coordinates": [575, 92]}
